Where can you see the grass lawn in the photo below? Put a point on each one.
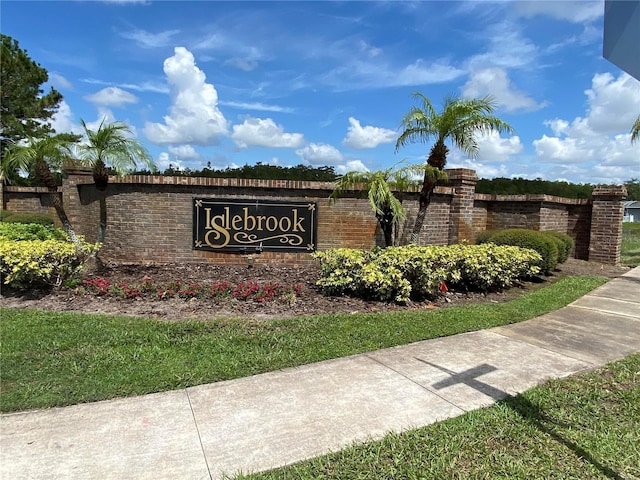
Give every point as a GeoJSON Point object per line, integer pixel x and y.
{"type": "Point", "coordinates": [582, 427]}
{"type": "Point", "coordinates": [630, 254]}
{"type": "Point", "coordinates": [54, 359]}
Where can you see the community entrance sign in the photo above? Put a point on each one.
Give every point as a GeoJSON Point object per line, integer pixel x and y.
{"type": "Point", "coordinates": [234, 225]}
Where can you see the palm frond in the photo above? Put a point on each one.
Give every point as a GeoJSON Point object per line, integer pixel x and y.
{"type": "Point", "coordinates": [635, 131]}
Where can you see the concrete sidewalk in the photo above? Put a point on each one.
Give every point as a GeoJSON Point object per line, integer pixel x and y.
{"type": "Point", "coordinates": [278, 418]}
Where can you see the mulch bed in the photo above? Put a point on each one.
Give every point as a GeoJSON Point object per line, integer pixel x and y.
{"type": "Point", "coordinates": [310, 302]}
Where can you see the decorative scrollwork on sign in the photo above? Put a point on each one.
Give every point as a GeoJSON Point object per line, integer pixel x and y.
{"type": "Point", "coordinates": [198, 203]}
{"type": "Point", "coordinates": [286, 238]}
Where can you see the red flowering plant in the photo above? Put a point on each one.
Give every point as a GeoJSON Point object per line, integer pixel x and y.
{"type": "Point", "coordinates": [243, 291]}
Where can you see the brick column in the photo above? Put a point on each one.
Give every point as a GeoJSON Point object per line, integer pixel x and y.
{"type": "Point", "coordinates": [82, 214]}
{"type": "Point", "coordinates": [606, 224]}
{"type": "Point", "coordinates": [463, 181]}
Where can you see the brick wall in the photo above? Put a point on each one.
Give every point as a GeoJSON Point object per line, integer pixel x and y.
{"type": "Point", "coordinates": [539, 212]}
{"type": "Point", "coordinates": [150, 217]}
{"type": "Point", "coordinates": [27, 200]}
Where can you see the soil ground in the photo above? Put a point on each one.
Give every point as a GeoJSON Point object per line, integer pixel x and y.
{"type": "Point", "coordinates": [310, 302]}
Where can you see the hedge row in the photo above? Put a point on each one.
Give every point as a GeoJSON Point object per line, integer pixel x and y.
{"type": "Point", "coordinates": [413, 272]}
{"type": "Point", "coordinates": [35, 256]}
{"type": "Point", "coordinates": [553, 247]}
{"type": "Point", "coordinates": [18, 217]}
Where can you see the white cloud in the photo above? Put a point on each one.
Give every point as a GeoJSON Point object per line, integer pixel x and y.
{"type": "Point", "coordinates": [104, 116]}
{"type": "Point", "coordinates": [359, 137]}
{"type": "Point", "coordinates": [165, 161]}
{"type": "Point", "coordinates": [112, 96]}
{"type": "Point", "coordinates": [59, 81]}
{"type": "Point", "coordinates": [572, 11]}
{"type": "Point", "coordinates": [493, 148]}
{"type": "Point", "coordinates": [258, 106]}
{"type": "Point", "coordinates": [184, 151]}
{"type": "Point", "coordinates": [554, 149]}
{"type": "Point", "coordinates": [357, 74]}
{"type": "Point", "coordinates": [141, 87]}
{"type": "Point", "coordinates": [351, 165]}
{"type": "Point", "coordinates": [495, 81]}
{"type": "Point", "coordinates": [264, 133]}
{"type": "Point", "coordinates": [146, 39]}
{"type": "Point", "coordinates": [602, 135]}
{"type": "Point", "coordinates": [482, 169]}
{"type": "Point", "coordinates": [613, 103]}
{"type": "Point", "coordinates": [507, 48]}
{"type": "Point", "coordinates": [320, 154]}
{"type": "Point", "coordinates": [194, 116]}
{"type": "Point", "coordinates": [62, 120]}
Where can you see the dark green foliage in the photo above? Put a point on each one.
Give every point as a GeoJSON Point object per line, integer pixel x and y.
{"type": "Point", "coordinates": [533, 239]}
{"type": "Point", "coordinates": [483, 237]}
{"type": "Point", "coordinates": [522, 186]}
{"type": "Point", "coordinates": [24, 108]}
{"type": "Point", "coordinates": [20, 217]}
{"type": "Point", "coordinates": [633, 189]}
{"type": "Point", "coordinates": [31, 231]}
{"type": "Point", "coordinates": [258, 171]}
{"type": "Point", "coordinates": [565, 245]}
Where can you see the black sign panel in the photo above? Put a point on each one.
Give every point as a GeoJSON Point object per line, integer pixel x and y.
{"type": "Point", "coordinates": [234, 225]}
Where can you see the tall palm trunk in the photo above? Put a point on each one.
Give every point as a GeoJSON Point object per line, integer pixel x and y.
{"type": "Point", "coordinates": [386, 221]}
{"type": "Point", "coordinates": [101, 179]}
{"type": "Point", "coordinates": [44, 173]}
{"type": "Point", "coordinates": [437, 159]}
{"type": "Point", "coordinates": [102, 226]}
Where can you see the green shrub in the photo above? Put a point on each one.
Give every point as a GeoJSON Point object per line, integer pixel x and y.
{"type": "Point", "coordinates": [412, 272]}
{"type": "Point", "coordinates": [483, 237]}
{"type": "Point", "coordinates": [5, 215]}
{"type": "Point", "coordinates": [566, 246]}
{"type": "Point", "coordinates": [35, 263]}
{"type": "Point", "coordinates": [533, 239]}
{"type": "Point", "coordinates": [19, 217]}
{"type": "Point", "coordinates": [31, 231]}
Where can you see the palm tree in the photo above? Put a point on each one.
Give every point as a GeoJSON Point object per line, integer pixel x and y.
{"type": "Point", "coordinates": [384, 190]}
{"type": "Point", "coordinates": [635, 131]}
{"type": "Point", "coordinates": [111, 145]}
{"type": "Point", "coordinates": [458, 122]}
{"type": "Point", "coordinates": [41, 156]}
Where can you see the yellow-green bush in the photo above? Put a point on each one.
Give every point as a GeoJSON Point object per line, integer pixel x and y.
{"type": "Point", "coordinates": [401, 273]}
{"type": "Point", "coordinates": [35, 263]}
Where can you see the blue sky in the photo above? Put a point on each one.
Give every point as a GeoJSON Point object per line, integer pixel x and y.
{"type": "Point", "coordinates": [327, 83]}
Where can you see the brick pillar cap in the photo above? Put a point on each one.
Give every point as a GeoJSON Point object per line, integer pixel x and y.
{"type": "Point", "coordinates": [462, 174]}
{"type": "Point", "coordinates": [610, 191]}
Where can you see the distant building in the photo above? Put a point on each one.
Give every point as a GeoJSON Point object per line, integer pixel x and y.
{"type": "Point", "coordinates": [631, 211]}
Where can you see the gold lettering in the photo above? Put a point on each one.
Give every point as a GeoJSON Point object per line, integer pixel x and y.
{"type": "Point", "coordinates": [219, 232]}
{"type": "Point", "coordinates": [274, 223]}
{"type": "Point", "coordinates": [281, 224]}
{"type": "Point", "coordinates": [248, 218]}
{"type": "Point", "coordinates": [297, 223]}
{"type": "Point", "coordinates": [260, 219]}
{"type": "Point", "coordinates": [208, 222]}
{"type": "Point", "coordinates": [237, 219]}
